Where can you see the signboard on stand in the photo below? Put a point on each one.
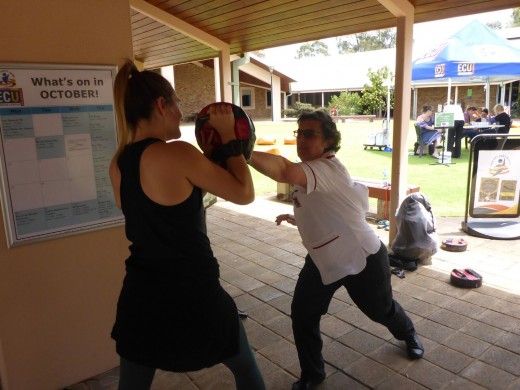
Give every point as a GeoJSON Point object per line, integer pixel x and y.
{"type": "Point", "coordinates": [444, 119]}
{"type": "Point", "coordinates": [493, 192]}
{"type": "Point", "coordinates": [57, 138]}
{"type": "Point", "coordinates": [497, 184]}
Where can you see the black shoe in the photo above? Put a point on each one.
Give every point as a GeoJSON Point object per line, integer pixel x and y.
{"type": "Point", "coordinates": [414, 347]}
{"type": "Point", "coordinates": [306, 384]}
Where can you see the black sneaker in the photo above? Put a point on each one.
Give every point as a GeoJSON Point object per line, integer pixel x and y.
{"type": "Point", "coordinates": [306, 384]}
{"type": "Point", "coordinates": [414, 347]}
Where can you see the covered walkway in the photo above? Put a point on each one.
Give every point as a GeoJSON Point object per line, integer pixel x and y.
{"type": "Point", "coordinates": [471, 336]}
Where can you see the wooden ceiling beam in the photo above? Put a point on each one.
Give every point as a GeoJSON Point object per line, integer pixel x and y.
{"type": "Point", "coordinates": [177, 24]}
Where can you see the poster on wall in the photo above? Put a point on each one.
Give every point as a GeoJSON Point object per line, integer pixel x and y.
{"type": "Point", "coordinates": [497, 185]}
{"type": "Point", "coordinates": [57, 137]}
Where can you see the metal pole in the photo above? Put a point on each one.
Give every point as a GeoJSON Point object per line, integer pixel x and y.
{"type": "Point", "coordinates": [271, 68]}
{"type": "Point", "coordinates": [448, 99]}
{"type": "Point", "coordinates": [387, 105]}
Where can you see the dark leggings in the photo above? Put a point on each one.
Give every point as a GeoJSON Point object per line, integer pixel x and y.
{"type": "Point", "coordinates": [243, 366]}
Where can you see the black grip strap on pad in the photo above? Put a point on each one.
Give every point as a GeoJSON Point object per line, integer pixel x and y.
{"type": "Point", "coordinates": [223, 152]}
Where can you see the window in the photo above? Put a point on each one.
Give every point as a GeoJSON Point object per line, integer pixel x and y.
{"type": "Point", "coordinates": [268, 99]}
{"type": "Point", "coordinates": [247, 98]}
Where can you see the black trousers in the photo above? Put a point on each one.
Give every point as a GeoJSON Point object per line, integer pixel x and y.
{"type": "Point", "coordinates": [371, 291]}
{"type": "Point", "coordinates": [454, 139]}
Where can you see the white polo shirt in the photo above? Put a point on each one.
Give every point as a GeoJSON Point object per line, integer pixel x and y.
{"type": "Point", "coordinates": [457, 111]}
{"type": "Point", "coordinates": [330, 215]}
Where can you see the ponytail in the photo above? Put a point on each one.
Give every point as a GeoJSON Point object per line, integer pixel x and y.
{"type": "Point", "coordinates": [120, 88]}
{"type": "Point", "coordinates": [135, 93]}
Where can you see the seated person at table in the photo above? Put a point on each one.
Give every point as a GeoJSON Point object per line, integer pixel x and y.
{"type": "Point", "coordinates": [484, 116]}
{"type": "Point", "coordinates": [502, 118]}
{"type": "Point", "coordinates": [428, 132]}
{"type": "Point", "coordinates": [470, 115]}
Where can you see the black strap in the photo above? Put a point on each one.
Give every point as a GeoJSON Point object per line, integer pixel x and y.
{"type": "Point", "coordinates": [223, 152]}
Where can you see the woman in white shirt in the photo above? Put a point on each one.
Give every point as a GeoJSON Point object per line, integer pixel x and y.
{"type": "Point", "coordinates": [329, 211]}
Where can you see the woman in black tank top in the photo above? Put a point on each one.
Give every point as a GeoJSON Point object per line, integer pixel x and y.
{"type": "Point", "coordinates": [172, 312]}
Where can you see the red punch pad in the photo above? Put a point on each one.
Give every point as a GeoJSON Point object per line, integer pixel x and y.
{"type": "Point", "coordinates": [454, 245]}
{"type": "Point", "coordinates": [467, 278]}
{"type": "Point", "coordinates": [244, 129]}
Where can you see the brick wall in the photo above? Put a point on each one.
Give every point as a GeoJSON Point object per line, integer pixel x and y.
{"type": "Point", "coordinates": [195, 87]}
{"type": "Point", "coordinates": [438, 95]}
{"type": "Point", "coordinates": [261, 111]}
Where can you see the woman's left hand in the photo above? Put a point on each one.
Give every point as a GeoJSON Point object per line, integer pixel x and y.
{"type": "Point", "coordinates": [289, 218]}
{"type": "Point", "coordinates": [222, 119]}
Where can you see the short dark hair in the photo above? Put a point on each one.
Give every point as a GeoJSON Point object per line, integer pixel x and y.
{"type": "Point", "coordinates": [328, 127]}
{"type": "Point", "coordinates": [427, 108]}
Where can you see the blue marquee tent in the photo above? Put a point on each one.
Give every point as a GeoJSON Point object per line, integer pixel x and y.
{"type": "Point", "coordinates": [475, 54]}
{"type": "Point", "coordinates": [474, 51]}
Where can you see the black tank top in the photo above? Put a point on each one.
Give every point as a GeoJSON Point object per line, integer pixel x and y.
{"type": "Point", "coordinates": [172, 312]}
{"type": "Point", "coordinates": [166, 239]}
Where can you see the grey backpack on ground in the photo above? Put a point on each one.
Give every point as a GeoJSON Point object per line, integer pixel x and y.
{"type": "Point", "coordinates": [416, 238]}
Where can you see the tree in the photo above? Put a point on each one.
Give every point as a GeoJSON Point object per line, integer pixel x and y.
{"type": "Point", "coordinates": [516, 18]}
{"type": "Point", "coordinates": [374, 96]}
{"type": "Point", "coordinates": [347, 103]}
{"type": "Point", "coordinates": [494, 25]}
{"type": "Point", "coordinates": [297, 109]}
{"type": "Point", "coordinates": [259, 53]}
{"type": "Point", "coordinates": [314, 49]}
{"type": "Point", "coordinates": [367, 41]}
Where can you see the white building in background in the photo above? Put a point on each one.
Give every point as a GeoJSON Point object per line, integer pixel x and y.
{"type": "Point", "coordinates": [512, 35]}
{"type": "Point", "coordinates": [318, 78]}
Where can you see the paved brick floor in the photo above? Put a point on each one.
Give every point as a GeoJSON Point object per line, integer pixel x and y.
{"type": "Point", "coordinates": [471, 336]}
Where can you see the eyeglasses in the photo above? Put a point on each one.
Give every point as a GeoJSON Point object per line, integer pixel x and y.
{"type": "Point", "coordinates": [306, 133]}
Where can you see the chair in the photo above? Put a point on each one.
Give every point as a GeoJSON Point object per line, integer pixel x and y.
{"type": "Point", "coordinates": [420, 144]}
{"type": "Point", "coordinates": [467, 139]}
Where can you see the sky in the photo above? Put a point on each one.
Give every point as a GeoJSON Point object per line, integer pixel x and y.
{"type": "Point", "coordinates": [428, 34]}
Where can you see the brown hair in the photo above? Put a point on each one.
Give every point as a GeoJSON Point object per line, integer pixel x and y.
{"type": "Point", "coordinates": [135, 93]}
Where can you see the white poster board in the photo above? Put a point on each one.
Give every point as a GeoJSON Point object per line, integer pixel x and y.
{"type": "Point", "coordinates": [57, 137]}
{"type": "Point", "coordinates": [497, 190]}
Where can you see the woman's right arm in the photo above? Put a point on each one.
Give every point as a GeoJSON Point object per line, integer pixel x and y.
{"type": "Point", "coordinates": [172, 169]}
{"type": "Point", "coordinates": [233, 183]}
{"type": "Point", "coordinates": [278, 168]}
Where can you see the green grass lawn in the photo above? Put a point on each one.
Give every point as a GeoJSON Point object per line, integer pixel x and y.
{"type": "Point", "coordinates": [444, 186]}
